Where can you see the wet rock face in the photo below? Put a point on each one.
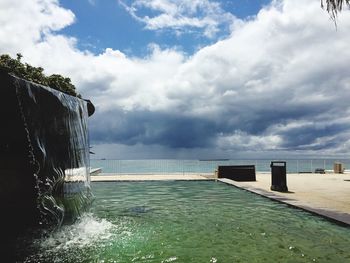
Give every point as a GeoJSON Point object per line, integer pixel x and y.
{"type": "Point", "coordinates": [44, 155]}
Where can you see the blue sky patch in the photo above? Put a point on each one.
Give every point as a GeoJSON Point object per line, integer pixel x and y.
{"type": "Point", "coordinates": [108, 24]}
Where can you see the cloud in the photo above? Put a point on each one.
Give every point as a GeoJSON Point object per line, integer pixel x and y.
{"type": "Point", "coordinates": [278, 84]}
{"type": "Point", "coordinates": [151, 128]}
{"type": "Point", "coordinates": [180, 16]}
{"type": "Point", "coordinates": [92, 2]}
{"type": "Point", "coordinates": [27, 22]}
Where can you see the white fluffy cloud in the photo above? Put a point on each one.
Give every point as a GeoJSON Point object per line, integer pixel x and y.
{"type": "Point", "coordinates": [279, 82]}
{"type": "Point", "coordinates": [181, 15]}
{"type": "Point", "coordinates": [26, 22]}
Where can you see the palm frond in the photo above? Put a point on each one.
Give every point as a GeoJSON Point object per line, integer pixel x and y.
{"type": "Point", "coordinates": [333, 7]}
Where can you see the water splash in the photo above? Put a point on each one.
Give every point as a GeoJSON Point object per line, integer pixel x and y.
{"type": "Point", "coordinates": [87, 233]}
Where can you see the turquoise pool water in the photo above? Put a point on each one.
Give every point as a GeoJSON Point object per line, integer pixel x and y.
{"type": "Point", "coordinates": [190, 222]}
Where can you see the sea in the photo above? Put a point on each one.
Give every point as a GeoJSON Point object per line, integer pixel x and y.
{"type": "Point", "coordinates": [169, 166]}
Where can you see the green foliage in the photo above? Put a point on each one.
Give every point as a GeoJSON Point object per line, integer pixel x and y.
{"type": "Point", "coordinates": [61, 83]}
{"type": "Point", "coordinates": [36, 74]}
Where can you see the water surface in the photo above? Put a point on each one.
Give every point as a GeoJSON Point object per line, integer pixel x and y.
{"type": "Point", "coordinates": [191, 222]}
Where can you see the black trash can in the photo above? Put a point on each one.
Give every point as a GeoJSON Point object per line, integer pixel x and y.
{"type": "Point", "coordinates": [279, 176]}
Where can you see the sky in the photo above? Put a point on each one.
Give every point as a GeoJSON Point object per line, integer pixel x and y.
{"type": "Point", "coordinates": [195, 78]}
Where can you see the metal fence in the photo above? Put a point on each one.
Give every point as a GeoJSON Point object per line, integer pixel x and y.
{"type": "Point", "coordinates": [165, 166]}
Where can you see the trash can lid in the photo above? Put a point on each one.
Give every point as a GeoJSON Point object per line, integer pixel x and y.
{"type": "Point", "coordinates": [278, 163]}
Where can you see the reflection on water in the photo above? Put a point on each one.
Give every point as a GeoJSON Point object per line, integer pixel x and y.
{"type": "Point", "coordinates": [191, 222]}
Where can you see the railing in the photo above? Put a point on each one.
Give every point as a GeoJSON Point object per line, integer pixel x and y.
{"type": "Point", "coordinates": [165, 166]}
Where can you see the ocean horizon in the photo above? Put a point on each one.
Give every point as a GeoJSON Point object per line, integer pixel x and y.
{"type": "Point", "coordinates": [165, 166]}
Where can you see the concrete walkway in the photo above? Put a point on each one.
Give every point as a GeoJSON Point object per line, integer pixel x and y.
{"type": "Point", "coordinates": [325, 194]}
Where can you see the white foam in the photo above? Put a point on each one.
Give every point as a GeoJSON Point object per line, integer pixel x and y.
{"type": "Point", "coordinates": [87, 231]}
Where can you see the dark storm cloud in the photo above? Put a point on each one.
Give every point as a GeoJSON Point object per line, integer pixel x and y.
{"type": "Point", "coordinates": [147, 127]}
{"type": "Point", "coordinates": [181, 131]}
{"type": "Point", "coordinates": [307, 135]}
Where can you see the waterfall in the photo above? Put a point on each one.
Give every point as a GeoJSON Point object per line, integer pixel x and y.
{"type": "Point", "coordinates": [44, 156]}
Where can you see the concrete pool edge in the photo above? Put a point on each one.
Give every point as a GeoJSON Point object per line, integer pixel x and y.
{"type": "Point", "coordinates": [149, 177]}
{"type": "Point", "coordinates": [339, 218]}
{"type": "Point", "coordinates": [151, 180]}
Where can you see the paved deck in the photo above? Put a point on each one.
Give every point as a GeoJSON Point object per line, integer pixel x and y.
{"type": "Point", "coordinates": [325, 194]}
